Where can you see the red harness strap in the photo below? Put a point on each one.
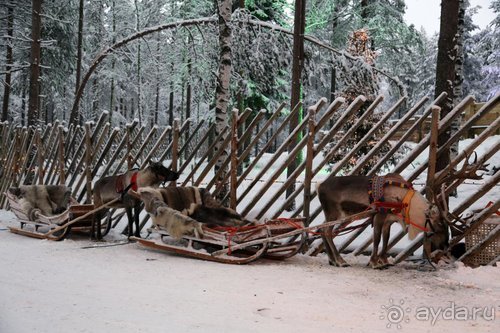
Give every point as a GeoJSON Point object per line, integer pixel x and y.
{"type": "Point", "coordinates": [232, 231]}
{"type": "Point", "coordinates": [133, 181]}
{"type": "Point", "coordinates": [393, 207]}
{"type": "Point", "coordinates": [120, 183]}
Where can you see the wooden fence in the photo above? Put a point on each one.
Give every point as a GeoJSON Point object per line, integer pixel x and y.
{"type": "Point", "coordinates": [261, 149]}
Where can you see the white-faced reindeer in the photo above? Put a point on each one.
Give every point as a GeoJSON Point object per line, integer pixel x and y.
{"type": "Point", "coordinates": [348, 195]}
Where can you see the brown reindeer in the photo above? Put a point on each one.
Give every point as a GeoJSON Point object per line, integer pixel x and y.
{"type": "Point", "coordinates": [397, 201]}
{"type": "Point", "coordinates": [182, 210]}
{"type": "Point", "coordinates": [112, 187]}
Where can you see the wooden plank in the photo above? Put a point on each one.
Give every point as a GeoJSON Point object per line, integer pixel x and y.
{"type": "Point", "coordinates": [433, 146]}
{"type": "Point", "coordinates": [234, 160]}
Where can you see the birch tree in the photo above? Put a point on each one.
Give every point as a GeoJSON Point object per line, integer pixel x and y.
{"type": "Point", "coordinates": [222, 94]}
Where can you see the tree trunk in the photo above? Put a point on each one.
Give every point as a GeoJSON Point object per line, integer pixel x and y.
{"type": "Point", "coordinates": [297, 66]}
{"type": "Point", "coordinates": [171, 103]}
{"type": "Point", "coordinates": [34, 93]}
{"type": "Point", "coordinates": [222, 90]}
{"type": "Point", "coordinates": [78, 117]}
{"type": "Point", "coordinates": [112, 89]}
{"type": "Point", "coordinates": [157, 78]}
{"type": "Point", "coordinates": [188, 95]}
{"type": "Point", "coordinates": [459, 73]}
{"type": "Point", "coordinates": [8, 66]}
{"type": "Point", "coordinates": [137, 27]}
{"type": "Point", "coordinates": [95, 100]}
{"type": "Point", "coordinates": [96, 89]}
{"type": "Point", "coordinates": [445, 69]}
{"type": "Point", "coordinates": [364, 10]}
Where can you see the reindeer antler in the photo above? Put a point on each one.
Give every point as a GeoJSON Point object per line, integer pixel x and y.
{"type": "Point", "coordinates": [468, 171]}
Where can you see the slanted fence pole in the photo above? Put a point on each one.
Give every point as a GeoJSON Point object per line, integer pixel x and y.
{"type": "Point", "coordinates": [88, 162]}
{"type": "Point", "coordinates": [175, 148]}
{"type": "Point", "coordinates": [309, 164]}
{"type": "Point", "coordinates": [234, 160]}
{"type": "Point", "coordinates": [62, 174]}
{"type": "Point", "coordinates": [431, 171]}
{"type": "Point", "coordinates": [40, 157]}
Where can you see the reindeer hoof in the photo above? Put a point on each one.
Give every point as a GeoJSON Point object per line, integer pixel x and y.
{"type": "Point", "coordinates": [379, 264]}
{"type": "Point", "coordinates": [376, 264]}
{"type": "Point", "coordinates": [340, 263]}
{"type": "Point", "coordinates": [384, 262]}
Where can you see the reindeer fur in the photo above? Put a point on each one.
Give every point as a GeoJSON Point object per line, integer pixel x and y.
{"type": "Point", "coordinates": [196, 205]}
{"type": "Point", "coordinates": [47, 199]}
{"type": "Point", "coordinates": [105, 190]}
{"type": "Point", "coordinates": [344, 196]}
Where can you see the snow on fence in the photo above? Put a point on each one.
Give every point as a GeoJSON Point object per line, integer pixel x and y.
{"type": "Point", "coordinates": [261, 149]}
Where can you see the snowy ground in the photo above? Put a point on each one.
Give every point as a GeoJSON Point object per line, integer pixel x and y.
{"type": "Point", "coordinates": [50, 286]}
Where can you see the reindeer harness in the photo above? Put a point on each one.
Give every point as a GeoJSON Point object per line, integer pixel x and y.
{"type": "Point", "coordinates": [120, 182]}
{"type": "Point", "coordinates": [376, 188]}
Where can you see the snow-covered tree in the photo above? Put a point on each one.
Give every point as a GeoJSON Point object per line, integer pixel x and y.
{"type": "Point", "coordinates": [482, 59]}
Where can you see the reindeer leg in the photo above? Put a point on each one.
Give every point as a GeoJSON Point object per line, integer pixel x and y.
{"type": "Point", "coordinates": [137, 211]}
{"type": "Point", "coordinates": [334, 257]}
{"type": "Point", "coordinates": [130, 219]}
{"type": "Point", "coordinates": [93, 227]}
{"type": "Point", "coordinates": [98, 229]}
{"type": "Point", "coordinates": [378, 222]}
{"type": "Point", "coordinates": [386, 233]}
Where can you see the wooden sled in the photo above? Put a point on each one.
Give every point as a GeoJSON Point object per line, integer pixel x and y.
{"type": "Point", "coordinates": [77, 218]}
{"type": "Point", "coordinates": [220, 239]}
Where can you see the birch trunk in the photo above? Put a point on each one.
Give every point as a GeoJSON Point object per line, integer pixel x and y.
{"type": "Point", "coordinates": [222, 90]}
{"type": "Point", "coordinates": [139, 87]}
{"type": "Point", "coordinates": [112, 90]}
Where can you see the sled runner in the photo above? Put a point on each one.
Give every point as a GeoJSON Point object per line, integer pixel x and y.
{"type": "Point", "coordinates": [36, 222]}
{"type": "Point", "coordinates": [216, 239]}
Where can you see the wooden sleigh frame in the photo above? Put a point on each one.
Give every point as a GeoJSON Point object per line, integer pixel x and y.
{"type": "Point", "coordinates": [247, 248]}
{"type": "Point", "coordinates": [77, 218]}
{"type": "Point", "coordinates": [214, 241]}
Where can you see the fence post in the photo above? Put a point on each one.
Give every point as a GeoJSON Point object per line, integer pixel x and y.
{"type": "Point", "coordinates": [129, 148]}
{"type": "Point", "coordinates": [431, 171]}
{"type": "Point", "coordinates": [309, 165]}
{"type": "Point", "coordinates": [88, 161]}
{"type": "Point", "coordinates": [62, 175]}
{"type": "Point", "coordinates": [39, 145]}
{"type": "Point", "coordinates": [175, 148]}
{"type": "Point", "coordinates": [234, 161]}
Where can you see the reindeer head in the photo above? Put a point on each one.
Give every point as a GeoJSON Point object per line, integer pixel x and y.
{"type": "Point", "coordinates": [163, 173]}
{"type": "Point", "coordinates": [438, 234]}
{"type": "Point", "coordinates": [439, 217]}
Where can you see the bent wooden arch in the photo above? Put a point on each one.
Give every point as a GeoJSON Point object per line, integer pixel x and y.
{"type": "Point", "coordinates": [186, 23]}
{"type": "Point", "coordinates": [100, 57]}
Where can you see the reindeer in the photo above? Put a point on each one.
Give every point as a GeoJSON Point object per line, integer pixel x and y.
{"type": "Point", "coordinates": [182, 210]}
{"type": "Point", "coordinates": [112, 187]}
{"type": "Point", "coordinates": [344, 196]}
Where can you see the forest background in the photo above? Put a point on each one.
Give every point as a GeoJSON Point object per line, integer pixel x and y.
{"type": "Point", "coordinates": [173, 72]}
